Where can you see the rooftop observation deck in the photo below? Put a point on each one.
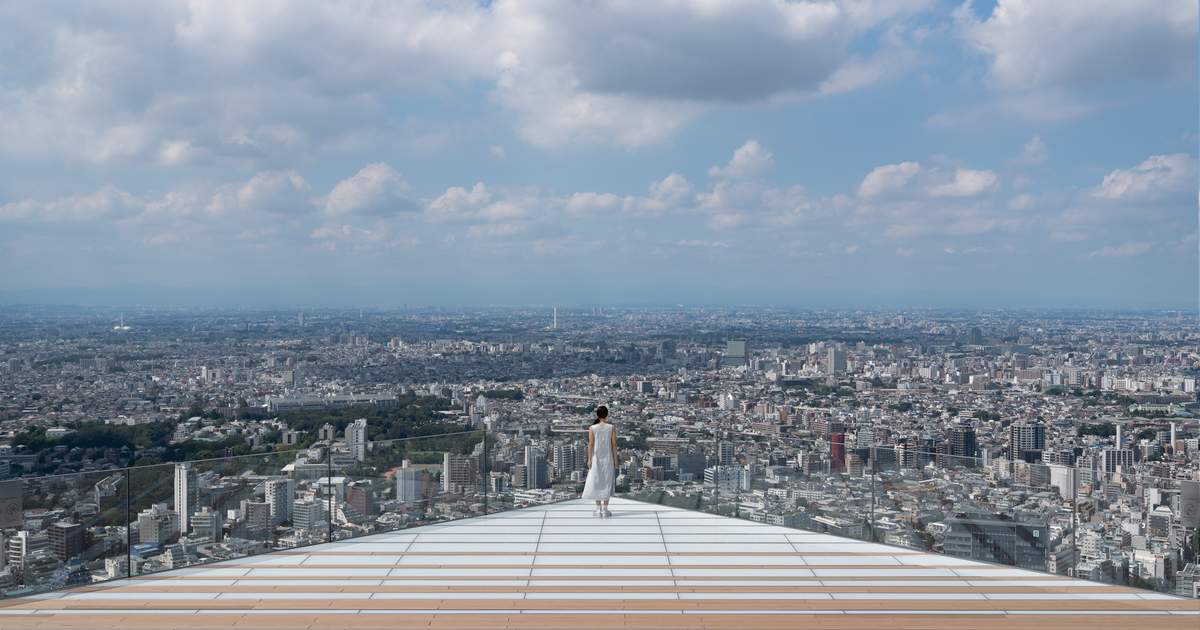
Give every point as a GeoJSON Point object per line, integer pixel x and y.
{"type": "Point", "coordinates": [557, 566]}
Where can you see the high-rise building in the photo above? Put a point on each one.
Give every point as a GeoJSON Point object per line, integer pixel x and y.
{"type": "Point", "coordinates": [837, 452]}
{"type": "Point", "coordinates": [157, 524]}
{"type": "Point", "coordinates": [691, 462]}
{"type": "Point", "coordinates": [835, 361]}
{"type": "Point", "coordinates": [308, 513]}
{"type": "Point", "coordinates": [458, 472]}
{"type": "Point", "coordinates": [1026, 441]}
{"type": "Point", "coordinates": [186, 494]}
{"type": "Point", "coordinates": [356, 439]}
{"type": "Point", "coordinates": [1001, 540]}
{"type": "Point", "coordinates": [566, 459]}
{"type": "Point", "coordinates": [207, 525]}
{"type": "Point", "coordinates": [279, 494]}
{"type": "Point", "coordinates": [1064, 478]}
{"type": "Point", "coordinates": [257, 518]}
{"type": "Point", "coordinates": [359, 498]}
{"type": "Point", "coordinates": [725, 454]}
{"type": "Point", "coordinates": [961, 441]}
{"type": "Point", "coordinates": [327, 433]}
{"type": "Point", "coordinates": [1112, 458]}
{"type": "Point", "coordinates": [66, 540]}
{"type": "Point", "coordinates": [410, 485]}
{"type": "Point", "coordinates": [736, 352]}
{"type": "Point", "coordinates": [975, 338]}
{"type": "Point", "coordinates": [535, 465]}
{"type": "Point", "coordinates": [22, 546]}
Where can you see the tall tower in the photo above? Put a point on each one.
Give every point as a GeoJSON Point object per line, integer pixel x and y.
{"type": "Point", "coordinates": [1026, 440]}
{"type": "Point", "coordinates": [555, 324]}
{"type": "Point", "coordinates": [280, 496]}
{"type": "Point", "coordinates": [186, 494]}
{"type": "Point", "coordinates": [356, 439]}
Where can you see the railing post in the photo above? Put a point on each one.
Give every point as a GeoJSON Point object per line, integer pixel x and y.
{"type": "Point", "coordinates": [871, 514]}
{"type": "Point", "coordinates": [128, 523]}
{"type": "Point", "coordinates": [484, 470]}
{"type": "Point", "coordinates": [717, 477]}
{"type": "Point", "coordinates": [329, 493]}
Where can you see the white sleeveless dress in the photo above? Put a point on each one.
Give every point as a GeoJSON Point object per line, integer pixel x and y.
{"type": "Point", "coordinates": [602, 476]}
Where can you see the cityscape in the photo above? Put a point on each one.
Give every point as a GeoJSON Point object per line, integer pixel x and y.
{"type": "Point", "coordinates": [520, 314]}
{"type": "Point", "coordinates": [147, 440]}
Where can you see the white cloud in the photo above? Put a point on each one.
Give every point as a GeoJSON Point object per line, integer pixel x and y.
{"type": "Point", "coordinates": [1043, 106]}
{"type": "Point", "coordinates": [1157, 176]}
{"type": "Point", "coordinates": [584, 203]}
{"type": "Point", "coordinates": [106, 203]}
{"type": "Point", "coordinates": [966, 183]}
{"type": "Point", "coordinates": [672, 189]}
{"type": "Point", "coordinates": [702, 244]}
{"type": "Point", "coordinates": [887, 179]}
{"type": "Point", "coordinates": [606, 72]}
{"type": "Point", "coordinates": [458, 203]}
{"type": "Point", "coordinates": [749, 160]}
{"type": "Point", "coordinates": [1021, 202]}
{"type": "Point", "coordinates": [279, 191]}
{"type": "Point", "coordinates": [376, 188]}
{"type": "Point", "coordinates": [1124, 250]}
{"type": "Point", "coordinates": [1034, 152]}
{"type": "Point", "coordinates": [496, 230]}
{"type": "Point", "coordinates": [178, 82]}
{"type": "Point", "coordinates": [1032, 44]}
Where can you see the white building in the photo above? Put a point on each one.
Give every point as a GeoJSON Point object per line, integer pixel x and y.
{"type": "Point", "coordinates": [186, 494]}
{"type": "Point", "coordinates": [356, 439]}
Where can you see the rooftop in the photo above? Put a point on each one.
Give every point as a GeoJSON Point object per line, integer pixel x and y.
{"type": "Point", "coordinates": [557, 566]}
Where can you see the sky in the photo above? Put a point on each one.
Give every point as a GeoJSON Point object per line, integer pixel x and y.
{"type": "Point", "coordinates": [1017, 153]}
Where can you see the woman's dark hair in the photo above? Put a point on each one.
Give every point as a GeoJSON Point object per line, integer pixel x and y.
{"type": "Point", "coordinates": [601, 413]}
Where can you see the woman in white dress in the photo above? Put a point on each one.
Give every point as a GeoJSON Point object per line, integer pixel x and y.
{"type": "Point", "coordinates": [602, 458]}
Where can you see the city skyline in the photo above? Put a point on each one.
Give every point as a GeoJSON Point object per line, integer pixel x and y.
{"type": "Point", "coordinates": [890, 153]}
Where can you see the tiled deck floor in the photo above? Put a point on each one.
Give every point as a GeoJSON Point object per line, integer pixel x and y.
{"type": "Point", "coordinates": [556, 566]}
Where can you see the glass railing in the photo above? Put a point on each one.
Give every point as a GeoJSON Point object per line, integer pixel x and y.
{"type": "Point", "coordinates": [77, 529]}
{"type": "Point", "coordinates": [1060, 519]}
{"type": "Point", "coordinates": [1111, 527]}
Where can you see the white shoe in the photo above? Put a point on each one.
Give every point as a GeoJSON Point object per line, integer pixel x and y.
{"type": "Point", "coordinates": [607, 514]}
{"type": "Point", "coordinates": [597, 513]}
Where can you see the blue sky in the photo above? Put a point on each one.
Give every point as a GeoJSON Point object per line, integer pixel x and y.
{"type": "Point", "coordinates": [859, 152]}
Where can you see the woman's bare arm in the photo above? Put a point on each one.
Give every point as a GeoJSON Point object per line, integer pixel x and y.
{"type": "Point", "coordinates": [613, 434]}
{"type": "Point", "coordinates": [591, 441]}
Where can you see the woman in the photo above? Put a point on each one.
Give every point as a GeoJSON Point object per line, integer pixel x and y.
{"type": "Point", "coordinates": [602, 458]}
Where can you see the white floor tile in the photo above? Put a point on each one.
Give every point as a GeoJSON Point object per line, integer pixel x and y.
{"type": "Point", "coordinates": [741, 595]}
{"type": "Point", "coordinates": [471, 547]}
{"type": "Point", "coordinates": [850, 560]}
{"type": "Point", "coordinates": [600, 547]}
{"type": "Point", "coordinates": [606, 560]}
{"type": "Point", "coordinates": [600, 571]}
{"type": "Point", "coordinates": [732, 546]}
{"type": "Point", "coordinates": [316, 561]}
{"type": "Point", "coordinates": [453, 572]}
{"type": "Point", "coordinates": [741, 572]}
{"type": "Point", "coordinates": [601, 595]}
{"type": "Point", "coordinates": [470, 559]}
{"type": "Point", "coordinates": [907, 596]}
{"type": "Point", "coordinates": [318, 572]}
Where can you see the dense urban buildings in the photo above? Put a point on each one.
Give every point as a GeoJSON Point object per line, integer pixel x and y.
{"type": "Point", "coordinates": [1061, 442]}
